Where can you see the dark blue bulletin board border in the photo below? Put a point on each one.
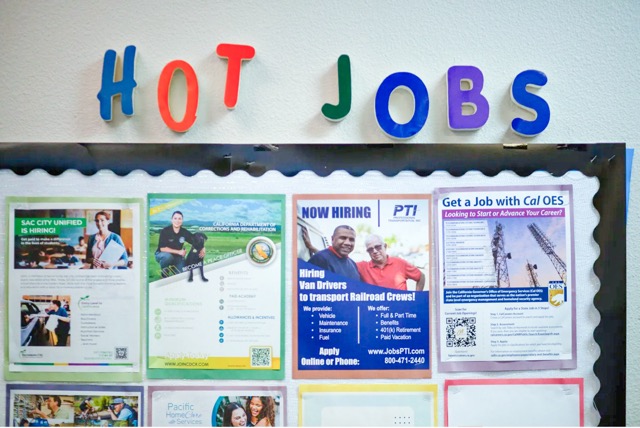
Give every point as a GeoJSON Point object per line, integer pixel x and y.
{"type": "Point", "coordinates": [606, 161]}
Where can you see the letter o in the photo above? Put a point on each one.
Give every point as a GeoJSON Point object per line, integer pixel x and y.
{"type": "Point", "coordinates": [421, 105]}
{"type": "Point", "coordinates": [164, 84]}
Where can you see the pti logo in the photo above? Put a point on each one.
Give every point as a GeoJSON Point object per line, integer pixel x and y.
{"type": "Point", "coordinates": [405, 210]}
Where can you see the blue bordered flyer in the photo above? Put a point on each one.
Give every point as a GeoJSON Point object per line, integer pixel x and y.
{"type": "Point", "coordinates": [74, 405]}
{"type": "Point", "coordinates": [215, 294]}
{"type": "Point", "coordinates": [73, 289]}
{"type": "Point", "coordinates": [217, 406]}
{"type": "Point", "coordinates": [361, 286]}
{"type": "Point", "coordinates": [506, 288]}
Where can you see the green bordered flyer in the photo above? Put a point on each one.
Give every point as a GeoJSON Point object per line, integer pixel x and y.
{"type": "Point", "coordinates": [73, 276]}
{"type": "Point", "coordinates": [216, 285]}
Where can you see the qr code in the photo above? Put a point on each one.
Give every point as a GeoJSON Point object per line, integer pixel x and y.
{"type": "Point", "coordinates": [461, 332]}
{"type": "Point", "coordinates": [261, 357]}
{"type": "Point", "coordinates": [122, 353]}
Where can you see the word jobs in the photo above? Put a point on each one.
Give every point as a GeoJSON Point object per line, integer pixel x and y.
{"type": "Point", "coordinates": [457, 98]}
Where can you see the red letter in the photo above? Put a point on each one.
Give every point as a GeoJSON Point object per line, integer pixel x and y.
{"type": "Point", "coordinates": [234, 54]}
{"type": "Point", "coordinates": [164, 83]}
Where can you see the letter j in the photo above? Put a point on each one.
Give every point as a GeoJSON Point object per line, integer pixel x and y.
{"type": "Point", "coordinates": [341, 110]}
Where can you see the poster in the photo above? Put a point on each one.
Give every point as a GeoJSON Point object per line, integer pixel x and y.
{"type": "Point", "coordinates": [361, 286]}
{"type": "Point", "coordinates": [215, 278]}
{"type": "Point", "coordinates": [207, 406]}
{"type": "Point", "coordinates": [74, 405]}
{"type": "Point", "coordinates": [506, 278]}
{"type": "Point", "coordinates": [514, 402]}
{"type": "Point", "coordinates": [368, 405]}
{"type": "Point", "coordinates": [73, 289]}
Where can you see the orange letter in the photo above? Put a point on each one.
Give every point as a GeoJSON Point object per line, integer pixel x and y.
{"type": "Point", "coordinates": [234, 54]}
{"type": "Point", "coordinates": [164, 83]}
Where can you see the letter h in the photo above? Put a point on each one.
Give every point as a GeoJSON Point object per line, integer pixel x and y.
{"type": "Point", "coordinates": [110, 88]}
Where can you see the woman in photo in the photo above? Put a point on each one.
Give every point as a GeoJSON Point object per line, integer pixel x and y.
{"type": "Point", "coordinates": [234, 416]}
{"type": "Point", "coordinates": [101, 240]}
{"type": "Point", "coordinates": [261, 411]}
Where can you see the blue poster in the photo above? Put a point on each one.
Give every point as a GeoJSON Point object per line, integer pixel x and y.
{"type": "Point", "coordinates": [361, 286]}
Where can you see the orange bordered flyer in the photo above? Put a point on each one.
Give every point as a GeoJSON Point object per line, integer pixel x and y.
{"type": "Point", "coordinates": [361, 286]}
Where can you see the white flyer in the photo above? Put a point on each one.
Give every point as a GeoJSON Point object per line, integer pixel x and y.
{"type": "Point", "coordinates": [506, 288]}
{"type": "Point", "coordinates": [73, 271]}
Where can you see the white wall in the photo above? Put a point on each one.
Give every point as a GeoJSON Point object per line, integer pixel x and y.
{"type": "Point", "coordinates": [51, 60]}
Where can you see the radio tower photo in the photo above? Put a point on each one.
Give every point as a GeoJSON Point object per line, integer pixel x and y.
{"type": "Point", "coordinates": [500, 257]}
{"type": "Point", "coordinates": [533, 276]}
{"type": "Point", "coordinates": [548, 248]}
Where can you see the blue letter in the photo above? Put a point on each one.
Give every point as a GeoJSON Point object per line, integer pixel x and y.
{"type": "Point", "coordinates": [124, 87]}
{"type": "Point", "coordinates": [421, 109]}
{"type": "Point", "coordinates": [530, 102]}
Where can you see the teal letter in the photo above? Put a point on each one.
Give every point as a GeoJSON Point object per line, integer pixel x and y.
{"type": "Point", "coordinates": [340, 111]}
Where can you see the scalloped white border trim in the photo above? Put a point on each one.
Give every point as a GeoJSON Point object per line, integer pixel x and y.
{"type": "Point", "coordinates": [139, 183]}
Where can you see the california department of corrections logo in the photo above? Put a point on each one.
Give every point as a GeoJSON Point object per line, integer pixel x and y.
{"type": "Point", "coordinates": [261, 250]}
{"type": "Point", "coordinates": [556, 293]}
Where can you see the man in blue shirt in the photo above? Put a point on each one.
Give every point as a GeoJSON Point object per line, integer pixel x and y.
{"type": "Point", "coordinates": [62, 329]}
{"type": "Point", "coordinates": [121, 411]}
{"type": "Point", "coordinates": [336, 257]}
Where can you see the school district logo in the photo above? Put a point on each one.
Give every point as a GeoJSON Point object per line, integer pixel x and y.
{"type": "Point", "coordinates": [261, 251]}
{"type": "Point", "coordinates": [556, 293]}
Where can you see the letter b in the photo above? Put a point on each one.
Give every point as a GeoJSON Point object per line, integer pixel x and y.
{"type": "Point", "coordinates": [457, 98]}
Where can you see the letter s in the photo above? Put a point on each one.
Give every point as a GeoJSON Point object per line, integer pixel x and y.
{"type": "Point", "coordinates": [530, 102]}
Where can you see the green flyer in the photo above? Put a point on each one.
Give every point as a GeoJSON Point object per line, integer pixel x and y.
{"type": "Point", "coordinates": [215, 277]}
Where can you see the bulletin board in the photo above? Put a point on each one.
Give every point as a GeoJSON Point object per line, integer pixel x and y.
{"type": "Point", "coordinates": [605, 161]}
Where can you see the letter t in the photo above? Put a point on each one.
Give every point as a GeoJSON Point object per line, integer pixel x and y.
{"type": "Point", "coordinates": [234, 54]}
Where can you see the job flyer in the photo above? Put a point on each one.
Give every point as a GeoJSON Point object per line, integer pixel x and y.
{"type": "Point", "coordinates": [215, 286]}
{"type": "Point", "coordinates": [73, 289]}
{"type": "Point", "coordinates": [481, 402]}
{"type": "Point", "coordinates": [38, 405]}
{"type": "Point", "coordinates": [367, 405]}
{"type": "Point", "coordinates": [361, 286]}
{"type": "Point", "coordinates": [207, 406]}
{"type": "Point", "coordinates": [506, 278]}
